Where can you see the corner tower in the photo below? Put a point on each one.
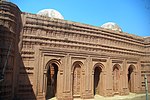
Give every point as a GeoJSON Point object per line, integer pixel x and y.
{"type": "Point", "coordinates": [10, 27]}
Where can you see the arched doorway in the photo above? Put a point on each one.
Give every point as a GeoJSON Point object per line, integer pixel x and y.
{"type": "Point", "coordinates": [97, 72]}
{"type": "Point", "coordinates": [116, 78]}
{"type": "Point", "coordinates": [51, 80]}
{"type": "Point", "coordinates": [77, 80]}
{"type": "Point", "coordinates": [130, 78]}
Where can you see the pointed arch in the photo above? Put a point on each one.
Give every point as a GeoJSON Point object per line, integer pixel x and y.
{"type": "Point", "coordinates": [131, 66]}
{"type": "Point", "coordinates": [117, 65]}
{"type": "Point", "coordinates": [76, 63]}
{"type": "Point", "coordinates": [57, 62]}
{"type": "Point", "coordinates": [99, 65]}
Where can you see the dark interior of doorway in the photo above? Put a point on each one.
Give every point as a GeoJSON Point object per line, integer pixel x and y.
{"type": "Point", "coordinates": [97, 72]}
{"type": "Point", "coordinates": [130, 70]}
{"type": "Point", "coordinates": [52, 81]}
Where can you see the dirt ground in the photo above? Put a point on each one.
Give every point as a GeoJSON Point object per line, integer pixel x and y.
{"type": "Point", "coordinates": [131, 96]}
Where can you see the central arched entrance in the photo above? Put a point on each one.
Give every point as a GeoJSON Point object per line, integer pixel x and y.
{"type": "Point", "coordinates": [131, 78]}
{"type": "Point", "coordinates": [77, 80]}
{"type": "Point", "coordinates": [116, 78]}
{"type": "Point", "coordinates": [97, 73]}
{"type": "Point", "coordinates": [51, 80]}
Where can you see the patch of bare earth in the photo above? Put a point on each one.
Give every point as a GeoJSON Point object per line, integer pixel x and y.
{"type": "Point", "coordinates": [131, 96]}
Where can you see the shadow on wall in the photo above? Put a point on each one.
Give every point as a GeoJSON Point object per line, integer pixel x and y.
{"type": "Point", "coordinates": [24, 85]}
{"type": "Point", "coordinates": [16, 84]}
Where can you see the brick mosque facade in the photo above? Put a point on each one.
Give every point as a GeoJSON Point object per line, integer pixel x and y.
{"type": "Point", "coordinates": [58, 58]}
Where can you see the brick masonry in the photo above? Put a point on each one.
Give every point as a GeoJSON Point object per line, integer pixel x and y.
{"type": "Point", "coordinates": [63, 59]}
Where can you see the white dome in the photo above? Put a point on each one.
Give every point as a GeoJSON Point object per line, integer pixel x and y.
{"type": "Point", "coordinates": [112, 26]}
{"type": "Point", "coordinates": [50, 13]}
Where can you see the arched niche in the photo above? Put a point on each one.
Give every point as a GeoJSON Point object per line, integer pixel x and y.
{"type": "Point", "coordinates": [116, 78]}
{"type": "Point", "coordinates": [98, 79]}
{"type": "Point", "coordinates": [131, 78]}
{"type": "Point", "coordinates": [76, 79]}
{"type": "Point", "coordinates": [52, 68]}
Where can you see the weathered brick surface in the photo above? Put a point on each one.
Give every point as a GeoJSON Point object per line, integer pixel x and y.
{"type": "Point", "coordinates": [54, 57]}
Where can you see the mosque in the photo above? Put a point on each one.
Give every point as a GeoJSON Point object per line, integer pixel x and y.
{"type": "Point", "coordinates": [44, 56]}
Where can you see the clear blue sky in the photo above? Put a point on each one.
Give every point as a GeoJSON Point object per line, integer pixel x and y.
{"type": "Point", "coordinates": [133, 16]}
